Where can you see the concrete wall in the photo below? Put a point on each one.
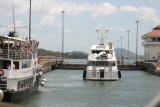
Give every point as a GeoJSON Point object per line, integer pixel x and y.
{"type": "Point", "coordinates": [47, 65]}
{"type": "Point", "coordinates": [151, 51]}
{"type": "Point", "coordinates": [151, 67]}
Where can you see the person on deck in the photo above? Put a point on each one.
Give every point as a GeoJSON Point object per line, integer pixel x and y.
{"type": "Point", "coordinates": [13, 66]}
{"type": "Point", "coordinates": [1, 51]}
{"type": "Point", "coordinates": [8, 66]}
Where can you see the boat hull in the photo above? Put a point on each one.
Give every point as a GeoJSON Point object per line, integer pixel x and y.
{"type": "Point", "coordinates": [99, 79]}
{"type": "Point", "coordinates": [106, 77]}
{"type": "Point", "coordinates": [15, 97]}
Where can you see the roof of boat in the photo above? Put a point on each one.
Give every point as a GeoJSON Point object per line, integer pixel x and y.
{"type": "Point", "coordinates": [12, 38]}
{"type": "Point", "coordinates": [101, 47]}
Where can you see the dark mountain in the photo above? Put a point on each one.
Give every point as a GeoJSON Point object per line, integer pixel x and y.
{"type": "Point", "coordinates": [125, 52]}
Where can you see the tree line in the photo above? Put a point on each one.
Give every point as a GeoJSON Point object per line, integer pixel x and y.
{"type": "Point", "coordinates": [70, 55]}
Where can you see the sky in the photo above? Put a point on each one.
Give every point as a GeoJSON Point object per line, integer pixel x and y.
{"type": "Point", "coordinates": [81, 18]}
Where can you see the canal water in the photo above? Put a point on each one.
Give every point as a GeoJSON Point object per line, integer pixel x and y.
{"type": "Point", "coordinates": [66, 88]}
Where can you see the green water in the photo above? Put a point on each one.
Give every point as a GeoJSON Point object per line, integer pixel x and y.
{"type": "Point", "coordinates": [66, 88]}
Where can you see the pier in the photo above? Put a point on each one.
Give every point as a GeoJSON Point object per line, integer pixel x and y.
{"type": "Point", "coordinates": [48, 65]}
{"type": "Point", "coordinates": [152, 67]}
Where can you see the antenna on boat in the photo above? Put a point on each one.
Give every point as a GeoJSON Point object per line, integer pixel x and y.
{"type": "Point", "coordinates": [14, 27]}
{"type": "Point", "coordinates": [30, 22]}
{"type": "Point", "coordinates": [106, 31]}
{"type": "Point", "coordinates": [98, 30]}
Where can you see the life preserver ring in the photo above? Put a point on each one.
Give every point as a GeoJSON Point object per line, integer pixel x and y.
{"type": "Point", "coordinates": [35, 63]}
{"type": "Point", "coordinates": [38, 61]}
{"type": "Point", "coordinates": [31, 54]}
{"type": "Point", "coordinates": [2, 72]}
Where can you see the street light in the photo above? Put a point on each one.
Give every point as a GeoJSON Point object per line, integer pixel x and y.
{"type": "Point", "coordinates": [128, 47]}
{"type": "Point", "coordinates": [137, 41]}
{"type": "Point", "coordinates": [121, 48]}
{"type": "Point", "coordinates": [62, 33]}
{"type": "Point", "coordinates": [117, 48]}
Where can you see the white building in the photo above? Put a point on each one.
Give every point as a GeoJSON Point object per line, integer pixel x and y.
{"type": "Point", "coordinates": [151, 43]}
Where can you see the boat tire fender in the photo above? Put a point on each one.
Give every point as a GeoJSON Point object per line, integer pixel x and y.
{"type": "Point", "coordinates": [119, 74]}
{"type": "Point", "coordinates": [84, 74]}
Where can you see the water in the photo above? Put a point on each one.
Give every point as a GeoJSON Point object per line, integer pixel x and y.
{"type": "Point", "coordinates": [66, 88]}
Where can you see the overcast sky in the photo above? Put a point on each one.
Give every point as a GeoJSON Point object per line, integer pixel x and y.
{"type": "Point", "coordinates": [81, 19]}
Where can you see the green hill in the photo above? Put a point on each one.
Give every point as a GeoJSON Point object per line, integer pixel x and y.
{"type": "Point", "coordinates": [70, 55]}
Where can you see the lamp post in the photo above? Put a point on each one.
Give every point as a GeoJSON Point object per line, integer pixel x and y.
{"type": "Point", "coordinates": [128, 47]}
{"type": "Point", "coordinates": [121, 48]}
{"type": "Point", "coordinates": [137, 41]}
{"type": "Point", "coordinates": [62, 33]}
{"type": "Point", "coordinates": [30, 22]}
{"type": "Point", "coordinates": [117, 48]}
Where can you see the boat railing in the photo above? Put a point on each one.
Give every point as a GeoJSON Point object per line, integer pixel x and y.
{"type": "Point", "coordinates": [3, 86]}
{"type": "Point", "coordinates": [15, 54]}
{"type": "Point", "coordinates": [34, 49]}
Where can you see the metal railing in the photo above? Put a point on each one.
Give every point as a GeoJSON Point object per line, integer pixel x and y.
{"type": "Point", "coordinates": [34, 49]}
{"type": "Point", "coordinates": [3, 86]}
{"type": "Point", "coordinates": [15, 54]}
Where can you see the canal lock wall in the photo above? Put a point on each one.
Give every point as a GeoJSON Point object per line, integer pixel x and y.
{"type": "Point", "coordinates": [152, 67]}
{"type": "Point", "coordinates": [48, 65]}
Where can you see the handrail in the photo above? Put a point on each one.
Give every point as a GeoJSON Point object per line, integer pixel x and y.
{"type": "Point", "coordinates": [3, 86]}
{"type": "Point", "coordinates": [15, 54]}
{"type": "Point", "coordinates": [34, 49]}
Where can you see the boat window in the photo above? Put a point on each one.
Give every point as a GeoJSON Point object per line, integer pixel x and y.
{"type": "Point", "coordinates": [4, 64]}
{"type": "Point", "coordinates": [94, 63]}
{"type": "Point", "coordinates": [26, 64]}
{"type": "Point", "coordinates": [16, 63]}
{"type": "Point", "coordinates": [103, 63]}
{"type": "Point", "coordinates": [158, 39]}
{"type": "Point", "coordinates": [98, 51]}
{"type": "Point", "coordinates": [106, 63]}
{"type": "Point", "coordinates": [21, 82]}
{"type": "Point", "coordinates": [114, 64]}
{"type": "Point", "coordinates": [25, 83]}
{"type": "Point", "coordinates": [95, 51]}
{"type": "Point", "coordinates": [19, 85]}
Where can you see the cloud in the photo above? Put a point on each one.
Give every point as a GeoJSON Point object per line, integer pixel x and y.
{"type": "Point", "coordinates": [71, 8]}
{"type": "Point", "coordinates": [20, 6]}
{"type": "Point", "coordinates": [48, 21]}
{"type": "Point", "coordinates": [67, 30]}
{"type": "Point", "coordinates": [128, 8]}
{"type": "Point", "coordinates": [117, 28]}
{"type": "Point", "coordinates": [148, 14]}
{"type": "Point", "coordinates": [104, 10]}
{"type": "Point", "coordinates": [54, 7]}
{"type": "Point", "coordinates": [153, 0]}
{"type": "Point", "coordinates": [100, 25]}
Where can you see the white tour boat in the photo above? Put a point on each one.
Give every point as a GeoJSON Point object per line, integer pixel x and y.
{"type": "Point", "coordinates": [20, 75]}
{"type": "Point", "coordinates": [102, 62]}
